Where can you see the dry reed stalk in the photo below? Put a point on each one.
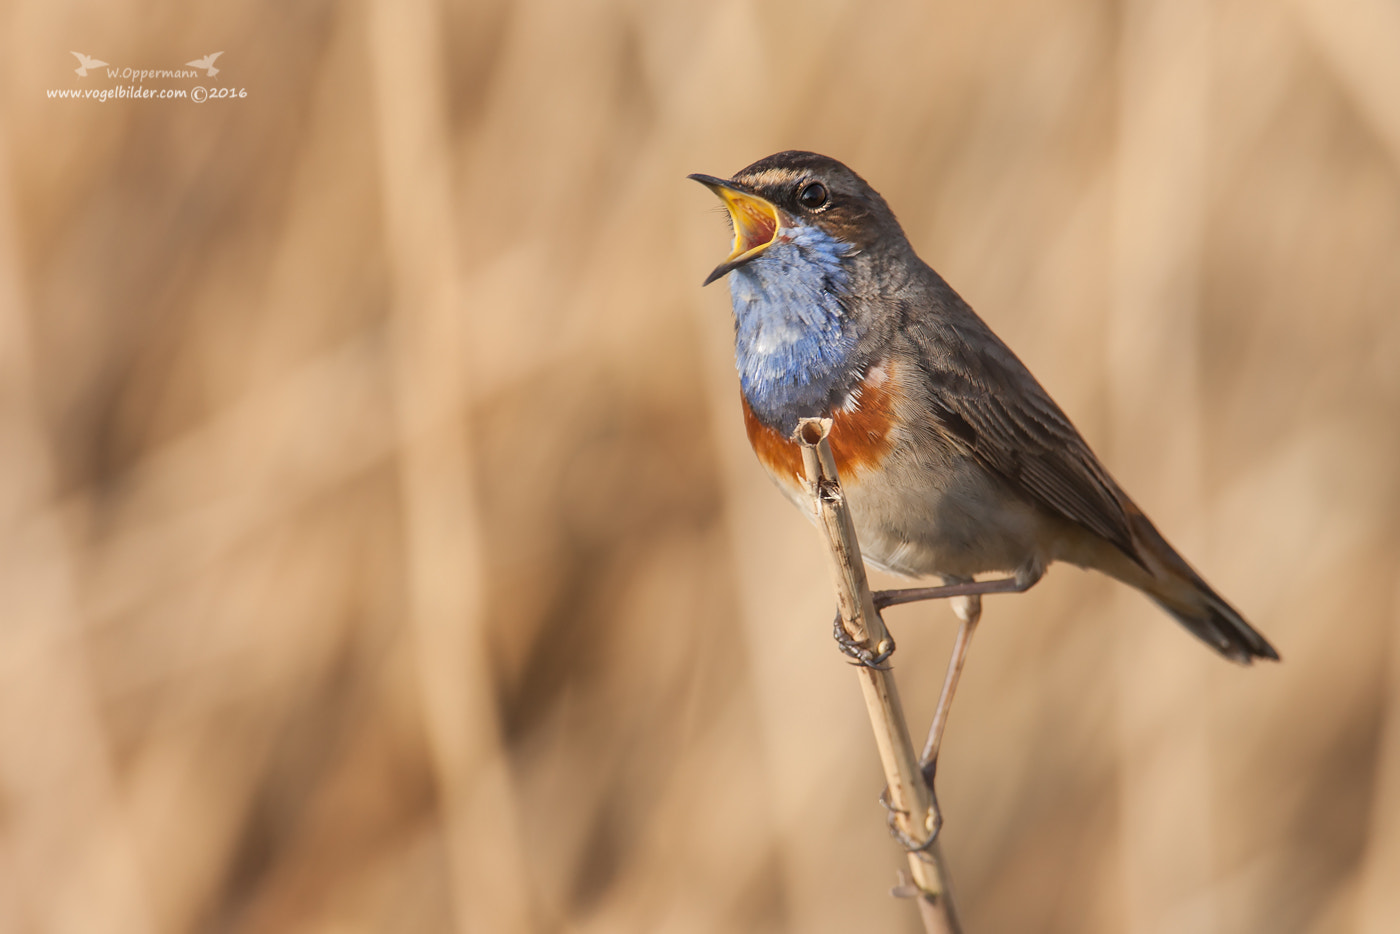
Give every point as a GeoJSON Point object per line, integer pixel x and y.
{"type": "Point", "coordinates": [487, 868]}
{"type": "Point", "coordinates": [911, 801]}
{"type": "Point", "coordinates": [1155, 334]}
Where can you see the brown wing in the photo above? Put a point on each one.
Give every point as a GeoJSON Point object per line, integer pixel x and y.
{"type": "Point", "coordinates": [986, 402]}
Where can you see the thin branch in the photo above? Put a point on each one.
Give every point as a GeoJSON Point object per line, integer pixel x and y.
{"type": "Point", "coordinates": [914, 812]}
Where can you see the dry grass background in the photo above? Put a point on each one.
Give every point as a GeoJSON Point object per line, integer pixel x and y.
{"type": "Point", "coordinates": [381, 550]}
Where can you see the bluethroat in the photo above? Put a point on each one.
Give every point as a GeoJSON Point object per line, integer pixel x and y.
{"type": "Point", "coordinates": [955, 461]}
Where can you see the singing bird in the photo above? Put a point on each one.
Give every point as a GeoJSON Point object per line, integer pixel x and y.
{"type": "Point", "coordinates": [955, 461]}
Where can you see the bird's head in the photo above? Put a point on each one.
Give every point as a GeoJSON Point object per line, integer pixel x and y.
{"type": "Point", "coordinates": [793, 197]}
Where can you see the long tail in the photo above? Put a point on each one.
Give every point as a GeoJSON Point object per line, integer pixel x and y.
{"type": "Point", "coordinates": [1176, 587]}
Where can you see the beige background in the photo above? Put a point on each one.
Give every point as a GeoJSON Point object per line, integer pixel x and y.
{"type": "Point", "coordinates": [381, 550]}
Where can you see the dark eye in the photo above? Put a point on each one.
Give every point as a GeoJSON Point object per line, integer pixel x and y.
{"type": "Point", "coordinates": [812, 196]}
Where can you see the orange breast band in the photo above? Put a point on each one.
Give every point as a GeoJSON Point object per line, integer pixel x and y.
{"type": "Point", "coordinates": [861, 432]}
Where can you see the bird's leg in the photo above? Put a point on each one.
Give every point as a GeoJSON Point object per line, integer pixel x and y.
{"type": "Point", "coordinates": [967, 604]}
{"type": "Point", "coordinates": [969, 610]}
{"type": "Point", "coordinates": [1025, 579]}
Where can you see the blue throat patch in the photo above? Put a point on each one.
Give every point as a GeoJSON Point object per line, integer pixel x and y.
{"type": "Point", "coordinates": [793, 337]}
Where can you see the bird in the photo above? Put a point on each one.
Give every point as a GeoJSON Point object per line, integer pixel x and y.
{"type": "Point", "coordinates": [84, 63]}
{"type": "Point", "coordinates": [954, 459]}
{"type": "Point", "coordinates": [207, 62]}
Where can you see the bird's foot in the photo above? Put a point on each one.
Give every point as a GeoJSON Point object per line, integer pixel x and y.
{"type": "Point", "coordinates": [892, 819]}
{"type": "Point", "coordinates": [861, 654]}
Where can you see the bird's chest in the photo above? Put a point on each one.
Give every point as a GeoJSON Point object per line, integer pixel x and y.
{"type": "Point", "coordinates": [919, 506]}
{"type": "Point", "coordinates": [864, 432]}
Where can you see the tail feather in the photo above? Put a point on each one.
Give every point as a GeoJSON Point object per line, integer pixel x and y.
{"type": "Point", "coordinates": [1220, 626]}
{"type": "Point", "coordinates": [1176, 587]}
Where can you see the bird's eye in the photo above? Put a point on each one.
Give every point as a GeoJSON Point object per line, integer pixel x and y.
{"type": "Point", "coordinates": [812, 196]}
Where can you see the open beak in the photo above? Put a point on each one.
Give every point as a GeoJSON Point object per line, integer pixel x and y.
{"type": "Point", "coordinates": [756, 222]}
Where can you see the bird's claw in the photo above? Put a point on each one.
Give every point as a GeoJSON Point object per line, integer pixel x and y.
{"type": "Point", "coordinates": [859, 653]}
{"type": "Point", "coordinates": [892, 815]}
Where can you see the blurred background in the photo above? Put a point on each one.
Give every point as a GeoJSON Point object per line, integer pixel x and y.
{"type": "Point", "coordinates": [381, 549]}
